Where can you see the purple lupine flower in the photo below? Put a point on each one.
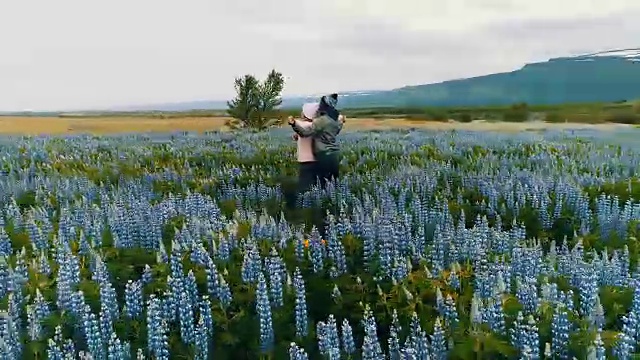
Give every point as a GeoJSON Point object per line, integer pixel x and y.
{"type": "Point", "coordinates": [495, 315]}
{"type": "Point", "coordinates": [147, 275]}
{"type": "Point", "coordinates": [133, 299]}
{"type": "Point", "coordinates": [5, 279]}
{"type": "Point", "coordinates": [301, 305]}
{"type": "Point", "coordinates": [105, 323]}
{"type": "Point", "coordinates": [438, 342]}
{"type": "Point", "coordinates": [316, 251]}
{"type": "Point", "coordinates": [331, 339]}
{"type": "Point", "coordinates": [251, 265]}
{"type": "Point", "coordinates": [5, 244]}
{"type": "Point", "coordinates": [297, 353]}
{"type": "Point", "coordinates": [518, 333]}
{"type": "Point", "coordinates": [93, 334]}
{"type": "Point", "coordinates": [157, 329]}
{"type": "Point", "coordinates": [532, 339]}
{"type": "Point", "coordinates": [454, 280]}
{"type": "Point", "coordinates": [275, 280]}
{"type": "Point", "coordinates": [9, 333]}
{"type": "Point", "coordinates": [395, 352]}
{"type": "Point", "coordinates": [560, 328]}
{"type": "Point", "coordinates": [116, 349]}
{"type": "Point", "coordinates": [348, 345]}
{"type": "Point", "coordinates": [599, 352]}
{"type": "Point", "coordinates": [224, 293]}
{"type": "Point", "coordinates": [212, 279]}
{"type": "Point", "coordinates": [191, 288]}
{"type": "Point", "coordinates": [186, 317]}
{"type": "Point", "coordinates": [417, 339]}
{"type": "Point", "coordinates": [299, 247]}
{"type": "Point", "coordinates": [336, 249]}
{"type": "Point", "coordinates": [201, 340]}
{"type": "Point", "coordinates": [206, 314]}
{"type": "Point", "coordinates": [263, 309]}
{"type": "Point", "coordinates": [33, 323]}
{"type": "Point", "coordinates": [371, 349]}
{"type": "Point", "coordinates": [451, 313]}
{"type": "Point", "coordinates": [53, 351]}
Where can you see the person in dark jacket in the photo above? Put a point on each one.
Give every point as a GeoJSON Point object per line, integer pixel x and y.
{"type": "Point", "coordinates": [327, 105]}
{"type": "Point", "coordinates": [324, 129]}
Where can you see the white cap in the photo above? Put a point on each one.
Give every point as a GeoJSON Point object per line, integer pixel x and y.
{"type": "Point", "coordinates": [309, 110]}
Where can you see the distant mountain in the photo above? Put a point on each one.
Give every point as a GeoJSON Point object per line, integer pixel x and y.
{"type": "Point", "coordinates": [287, 102]}
{"type": "Point", "coordinates": [599, 77]}
{"type": "Point", "coordinates": [178, 106]}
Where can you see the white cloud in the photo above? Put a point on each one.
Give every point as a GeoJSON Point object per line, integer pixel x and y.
{"type": "Point", "coordinates": [98, 53]}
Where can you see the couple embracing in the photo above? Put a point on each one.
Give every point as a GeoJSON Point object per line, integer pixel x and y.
{"type": "Point", "coordinates": [318, 152]}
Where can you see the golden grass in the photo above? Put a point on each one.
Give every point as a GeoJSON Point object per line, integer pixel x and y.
{"type": "Point", "coordinates": [98, 126]}
{"type": "Point", "coordinates": [508, 127]}
{"type": "Point", "coordinates": [101, 126]}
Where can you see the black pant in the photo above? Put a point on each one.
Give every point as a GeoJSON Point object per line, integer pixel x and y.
{"type": "Point", "coordinates": [308, 176]}
{"type": "Point", "coordinates": [328, 168]}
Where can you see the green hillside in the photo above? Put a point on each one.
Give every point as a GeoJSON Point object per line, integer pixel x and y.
{"type": "Point", "coordinates": [590, 78]}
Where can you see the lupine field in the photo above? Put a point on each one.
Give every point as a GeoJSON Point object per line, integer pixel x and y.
{"type": "Point", "coordinates": [446, 245]}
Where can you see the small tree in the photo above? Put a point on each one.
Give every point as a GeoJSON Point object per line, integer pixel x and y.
{"type": "Point", "coordinates": [243, 106]}
{"type": "Point", "coordinates": [255, 103]}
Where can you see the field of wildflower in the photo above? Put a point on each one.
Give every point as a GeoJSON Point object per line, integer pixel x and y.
{"type": "Point", "coordinates": [438, 245]}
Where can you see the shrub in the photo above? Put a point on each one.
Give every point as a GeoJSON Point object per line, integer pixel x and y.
{"type": "Point", "coordinates": [623, 117]}
{"type": "Point", "coordinates": [554, 117]}
{"type": "Point", "coordinates": [465, 118]}
{"type": "Point", "coordinates": [437, 114]}
{"type": "Point", "coordinates": [516, 113]}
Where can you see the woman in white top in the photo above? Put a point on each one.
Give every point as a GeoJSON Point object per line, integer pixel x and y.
{"type": "Point", "coordinates": [308, 173]}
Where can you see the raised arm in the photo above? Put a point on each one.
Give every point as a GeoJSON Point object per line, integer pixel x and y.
{"type": "Point", "coordinates": [317, 126]}
{"type": "Point", "coordinates": [294, 136]}
{"type": "Point", "coordinates": [341, 120]}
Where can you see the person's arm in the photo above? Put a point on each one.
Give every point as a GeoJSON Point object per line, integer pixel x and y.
{"type": "Point", "coordinates": [341, 120]}
{"type": "Point", "coordinates": [294, 136]}
{"type": "Point", "coordinates": [317, 126]}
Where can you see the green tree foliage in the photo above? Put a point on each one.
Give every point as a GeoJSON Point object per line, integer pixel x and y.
{"type": "Point", "coordinates": [256, 102]}
{"type": "Point", "coordinates": [243, 106]}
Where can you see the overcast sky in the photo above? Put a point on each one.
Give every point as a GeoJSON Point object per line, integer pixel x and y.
{"type": "Point", "coordinates": [69, 54]}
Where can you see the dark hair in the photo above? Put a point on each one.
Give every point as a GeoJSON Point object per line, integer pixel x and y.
{"type": "Point", "coordinates": [323, 102]}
